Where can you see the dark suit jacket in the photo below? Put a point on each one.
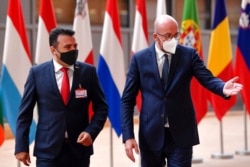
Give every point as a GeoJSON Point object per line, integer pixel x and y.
{"type": "Point", "coordinates": [174, 101]}
{"type": "Point", "coordinates": [54, 117]}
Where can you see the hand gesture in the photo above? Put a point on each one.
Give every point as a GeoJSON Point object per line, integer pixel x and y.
{"type": "Point", "coordinates": [231, 87]}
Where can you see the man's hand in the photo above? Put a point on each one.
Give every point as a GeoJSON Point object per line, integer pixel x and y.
{"type": "Point", "coordinates": [85, 139]}
{"type": "Point", "coordinates": [231, 87]}
{"type": "Point", "coordinates": [131, 144]}
{"type": "Point", "coordinates": [24, 157]}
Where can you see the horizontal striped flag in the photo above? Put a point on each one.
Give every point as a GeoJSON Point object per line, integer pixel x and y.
{"type": "Point", "coordinates": [111, 66]}
{"type": "Point", "coordinates": [242, 62]}
{"type": "Point", "coordinates": [16, 65]}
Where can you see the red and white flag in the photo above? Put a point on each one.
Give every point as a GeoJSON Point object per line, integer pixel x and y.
{"type": "Point", "coordinates": [81, 26]}
{"type": "Point", "coordinates": [140, 36]}
{"type": "Point", "coordinates": [161, 7]}
{"type": "Point", "coordinates": [82, 30]}
{"type": "Point", "coordinates": [46, 23]}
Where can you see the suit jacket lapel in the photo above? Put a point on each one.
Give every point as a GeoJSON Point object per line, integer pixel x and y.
{"type": "Point", "coordinates": [173, 66]}
{"type": "Point", "coordinates": [75, 82]}
{"type": "Point", "coordinates": [153, 62]}
{"type": "Point", "coordinates": [53, 78]}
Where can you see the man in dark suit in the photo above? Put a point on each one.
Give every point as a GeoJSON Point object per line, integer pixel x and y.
{"type": "Point", "coordinates": [162, 72]}
{"type": "Point", "coordinates": [65, 134]}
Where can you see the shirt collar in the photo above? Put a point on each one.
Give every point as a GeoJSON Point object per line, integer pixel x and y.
{"type": "Point", "coordinates": [58, 66]}
{"type": "Point", "coordinates": [159, 52]}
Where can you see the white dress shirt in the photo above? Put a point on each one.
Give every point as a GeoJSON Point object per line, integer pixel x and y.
{"type": "Point", "coordinates": [59, 74]}
{"type": "Point", "coordinates": [161, 58]}
{"type": "Point", "coordinates": [160, 61]}
{"type": "Point", "coordinates": [59, 77]}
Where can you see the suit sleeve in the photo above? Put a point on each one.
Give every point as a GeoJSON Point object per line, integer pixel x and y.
{"type": "Point", "coordinates": [100, 107]}
{"type": "Point", "coordinates": [25, 115]}
{"type": "Point", "coordinates": [128, 100]}
{"type": "Point", "coordinates": [205, 76]}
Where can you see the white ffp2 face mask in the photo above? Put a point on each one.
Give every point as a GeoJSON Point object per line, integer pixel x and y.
{"type": "Point", "coordinates": [170, 46]}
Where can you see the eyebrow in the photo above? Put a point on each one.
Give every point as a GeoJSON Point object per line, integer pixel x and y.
{"type": "Point", "coordinates": [167, 33]}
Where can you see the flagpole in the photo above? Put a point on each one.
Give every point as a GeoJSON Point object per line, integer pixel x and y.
{"type": "Point", "coordinates": [245, 151]}
{"type": "Point", "coordinates": [18, 164]}
{"type": "Point", "coordinates": [111, 146]}
{"type": "Point", "coordinates": [221, 155]}
{"type": "Point", "coordinates": [196, 160]}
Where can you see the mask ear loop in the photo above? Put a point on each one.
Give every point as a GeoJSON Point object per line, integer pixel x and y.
{"type": "Point", "coordinates": [58, 52]}
{"type": "Point", "coordinates": [55, 54]}
{"type": "Point", "coordinates": [161, 46]}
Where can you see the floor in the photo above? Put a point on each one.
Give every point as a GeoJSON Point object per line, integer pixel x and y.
{"type": "Point", "coordinates": [217, 149]}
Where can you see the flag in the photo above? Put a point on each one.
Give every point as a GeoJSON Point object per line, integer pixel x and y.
{"type": "Point", "coordinates": [46, 22]}
{"type": "Point", "coordinates": [191, 36]}
{"type": "Point", "coordinates": [81, 26]}
{"type": "Point", "coordinates": [1, 125]}
{"type": "Point", "coordinates": [161, 7]}
{"type": "Point", "coordinates": [220, 57]}
{"type": "Point", "coordinates": [16, 64]}
{"type": "Point", "coordinates": [140, 36]}
{"type": "Point", "coordinates": [111, 66]}
{"type": "Point", "coordinates": [242, 62]}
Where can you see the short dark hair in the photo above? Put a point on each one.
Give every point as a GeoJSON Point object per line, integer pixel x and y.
{"type": "Point", "coordinates": [54, 33]}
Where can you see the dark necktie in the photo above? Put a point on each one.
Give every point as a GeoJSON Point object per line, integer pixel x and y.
{"type": "Point", "coordinates": [65, 85]}
{"type": "Point", "coordinates": [165, 69]}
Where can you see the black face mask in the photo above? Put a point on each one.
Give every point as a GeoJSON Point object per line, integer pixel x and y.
{"type": "Point", "coordinates": [69, 57]}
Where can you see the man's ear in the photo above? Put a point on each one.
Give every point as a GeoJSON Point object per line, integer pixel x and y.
{"type": "Point", "coordinates": [52, 50]}
{"type": "Point", "coordinates": [155, 36]}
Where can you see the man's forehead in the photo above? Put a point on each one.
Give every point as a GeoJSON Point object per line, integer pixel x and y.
{"type": "Point", "coordinates": [66, 39]}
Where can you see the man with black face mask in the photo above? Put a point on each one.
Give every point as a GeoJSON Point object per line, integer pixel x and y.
{"type": "Point", "coordinates": [63, 90]}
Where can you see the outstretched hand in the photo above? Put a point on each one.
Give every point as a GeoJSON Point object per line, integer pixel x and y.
{"type": "Point", "coordinates": [231, 87]}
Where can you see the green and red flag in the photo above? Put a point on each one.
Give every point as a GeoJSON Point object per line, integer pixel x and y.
{"type": "Point", "coordinates": [1, 126]}
{"type": "Point", "coordinates": [191, 36]}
